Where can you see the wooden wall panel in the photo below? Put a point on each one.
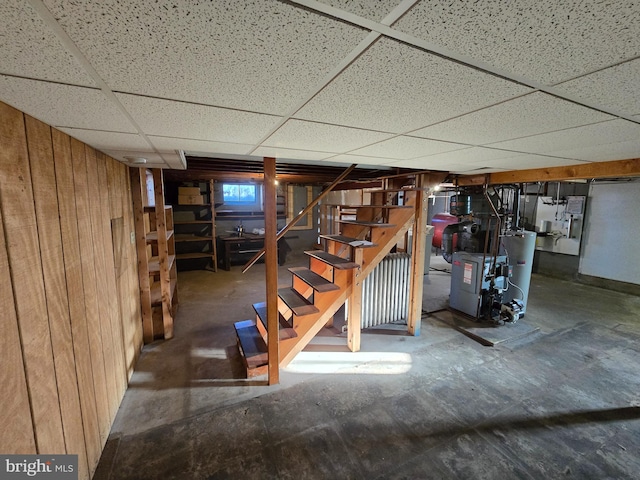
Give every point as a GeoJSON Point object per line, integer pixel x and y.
{"type": "Point", "coordinates": [110, 278]}
{"type": "Point", "coordinates": [46, 205]}
{"type": "Point", "coordinates": [15, 416]}
{"type": "Point", "coordinates": [75, 293]}
{"type": "Point", "coordinates": [70, 329]}
{"type": "Point", "coordinates": [103, 312]}
{"type": "Point", "coordinates": [88, 261]}
{"type": "Point", "coordinates": [23, 248]}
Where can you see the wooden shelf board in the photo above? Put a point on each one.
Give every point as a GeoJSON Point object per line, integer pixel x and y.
{"type": "Point", "coordinates": [156, 292]}
{"type": "Point", "coordinates": [154, 263]}
{"type": "Point", "coordinates": [187, 256]}
{"type": "Point", "coordinates": [185, 237]}
{"type": "Point", "coordinates": [194, 222]}
{"type": "Point", "coordinates": [153, 236]}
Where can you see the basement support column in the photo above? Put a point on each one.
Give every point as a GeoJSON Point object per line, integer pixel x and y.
{"type": "Point", "coordinates": [271, 268]}
{"type": "Point", "coordinates": [425, 183]}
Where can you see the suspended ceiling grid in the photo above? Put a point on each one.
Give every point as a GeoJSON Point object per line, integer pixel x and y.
{"type": "Point", "coordinates": [465, 86]}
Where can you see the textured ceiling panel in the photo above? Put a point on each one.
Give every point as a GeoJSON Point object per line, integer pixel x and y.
{"type": "Point", "coordinates": [544, 40]}
{"type": "Point", "coordinates": [407, 147]}
{"type": "Point", "coordinates": [365, 8]}
{"type": "Point", "coordinates": [173, 160]}
{"type": "Point", "coordinates": [63, 105]}
{"type": "Point", "coordinates": [603, 152]}
{"type": "Point", "coordinates": [465, 156]}
{"type": "Point", "coordinates": [187, 120]}
{"type": "Point", "coordinates": [253, 55]}
{"type": "Point", "coordinates": [527, 161]}
{"type": "Point", "coordinates": [197, 147]}
{"type": "Point", "coordinates": [616, 87]}
{"type": "Point", "coordinates": [289, 154]}
{"type": "Point", "coordinates": [577, 139]}
{"type": "Point", "coordinates": [30, 49]}
{"type": "Point", "coordinates": [397, 88]}
{"type": "Point", "coordinates": [360, 159]}
{"type": "Point", "coordinates": [528, 115]}
{"type": "Point", "coordinates": [301, 135]}
{"type": "Point", "coordinates": [109, 140]}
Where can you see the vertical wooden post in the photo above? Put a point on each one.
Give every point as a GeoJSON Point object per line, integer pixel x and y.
{"type": "Point", "coordinates": [355, 304]}
{"type": "Point", "coordinates": [138, 187]}
{"type": "Point", "coordinates": [271, 268]}
{"type": "Point", "coordinates": [214, 247]}
{"type": "Point", "coordinates": [163, 253]}
{"type": "Point", "coordinates": [417, 258]}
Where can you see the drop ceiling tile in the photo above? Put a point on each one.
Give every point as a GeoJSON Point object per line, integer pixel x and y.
{"type": "Point", "coordinates": [546, 40]}
{"type": "Point", "coordinates": [199, 122]}
{"type": "Point", "coordinates": [200, 147]}
{"type": "Point", "coordinates": [407, 147]}
{"type": "Point", "coordinates": [109, 140]}
{"type": "Point", "coordinates": [616, 88]}
{"type": "Point", "coordinates": [174, 160]}
{"type": "Point", "coordinates": [320, 137]}
{"type": "Point", "coordinates": [365, 8]}
{"type": "Point", "coordinates": [603, 153]}
{"type": "Point", "coordinates": [31, 49]}
{"type": "Point", "coordinates": [361, 160]}
{"type": "Point", "coordinates": [63, 105]}
{"type": "Point", "coordinates": [528, 115]}
{"type": "Point", "coordinates": [397, 88]}
{"type": "Point", "coordinates": [465, 156]}
{"type": "Point", "coordinates": [289, 154]}
{"type": "Point", "coordinates": [580, 140]}
{"type": "Point", "coordinates": [252, 55]}
{"type": "Point", "coordinates": [527, 161]}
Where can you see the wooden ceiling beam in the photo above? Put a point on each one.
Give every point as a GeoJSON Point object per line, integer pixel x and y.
{"type": "Point", "coordinates": [613, 169]}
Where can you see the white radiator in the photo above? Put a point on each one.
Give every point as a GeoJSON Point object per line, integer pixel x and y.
{"type": "Point", "coordinates": [385, 292]}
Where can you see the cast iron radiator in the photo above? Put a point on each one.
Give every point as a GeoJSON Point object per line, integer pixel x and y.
{"type": "Point", "coordinates": [385, 292]}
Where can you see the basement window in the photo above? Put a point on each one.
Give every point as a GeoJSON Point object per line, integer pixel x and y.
{"type": "Point", "coordinates": [239, 194]}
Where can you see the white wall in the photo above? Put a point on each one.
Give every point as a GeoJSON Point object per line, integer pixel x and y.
{"type": "Point", "coordinates": [611, 237]}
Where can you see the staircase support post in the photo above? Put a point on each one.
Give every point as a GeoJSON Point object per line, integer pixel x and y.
{"type": "Point", "coordinates": [424, 182]}
{"type": "Point", "coordinates": [271, 268]}
{"type": "Point", "coordinates": [417, 258]}
{"type": "Point", "coordinates": [355, 305]}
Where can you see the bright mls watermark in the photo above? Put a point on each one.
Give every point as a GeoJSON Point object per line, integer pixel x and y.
{"type": "Point", "coordinates": [51, 467]}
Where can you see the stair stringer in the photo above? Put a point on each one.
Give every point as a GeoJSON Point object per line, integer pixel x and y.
{"type": "Point", "coordinates": [307, 327]}
{"type": "Point", "coordinates": [386, 240]}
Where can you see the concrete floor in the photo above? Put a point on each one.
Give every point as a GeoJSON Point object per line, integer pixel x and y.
{"type": "Point", "coordinates": [561, 403]}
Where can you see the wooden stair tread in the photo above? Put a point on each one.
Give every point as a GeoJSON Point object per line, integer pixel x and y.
{"type": "Point", "coordinates": [365, 223]}
{"type": "Point", "coordinates": [354, 242]}
{"type": "Point", "coordinates": [317, 282]}
{"type": "Point", "coordinates": [286, 330]}
{"type": "Point", "coordinates": [334, 261]}
{"type": "Point", "coordinates": [296, 302]}
{"type": "Point", "coordinates": [252, 346]}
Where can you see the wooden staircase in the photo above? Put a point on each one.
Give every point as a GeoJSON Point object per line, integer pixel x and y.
{"type": "Point", "coordinates": [333, 276]}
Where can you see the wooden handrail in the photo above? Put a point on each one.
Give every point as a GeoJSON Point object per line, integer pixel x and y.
{"type": "Point", "coordinates": [307, 209]}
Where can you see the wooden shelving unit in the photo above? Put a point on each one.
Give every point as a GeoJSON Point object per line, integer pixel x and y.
{"type": "Point", "coordinates": [155, 244]}
{"type": "Point", "coordinates": [196, 238]}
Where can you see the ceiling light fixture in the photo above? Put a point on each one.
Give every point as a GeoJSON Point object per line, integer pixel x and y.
{"type": "Point", "coordinates": [136, 160]}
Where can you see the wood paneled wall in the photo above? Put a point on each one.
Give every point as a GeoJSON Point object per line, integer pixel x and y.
{"type": "Point", "coordinates": [70, 327]}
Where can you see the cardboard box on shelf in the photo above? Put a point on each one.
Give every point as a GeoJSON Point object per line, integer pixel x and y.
{"type": "Point", "coordinates": [190, 199]}
{"type": "Point", "coordinates": [189, 191]}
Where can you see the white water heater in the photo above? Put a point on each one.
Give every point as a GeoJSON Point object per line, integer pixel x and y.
{"type": "Point", "coordinates": [519, 248]}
